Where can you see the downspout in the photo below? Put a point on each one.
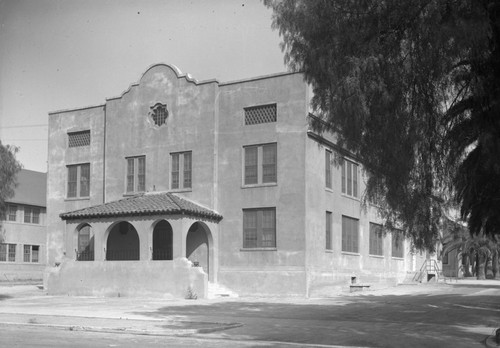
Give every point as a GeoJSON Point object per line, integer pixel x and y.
{"type": "Point", "coordinates": [104, 160]}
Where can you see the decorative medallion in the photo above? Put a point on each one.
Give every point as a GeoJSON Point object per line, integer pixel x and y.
{"type": "Point", "coordinates": [159, 113]}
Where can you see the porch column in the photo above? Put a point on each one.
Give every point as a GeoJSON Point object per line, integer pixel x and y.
{"type": "Point", "coordinates": [178, 238]}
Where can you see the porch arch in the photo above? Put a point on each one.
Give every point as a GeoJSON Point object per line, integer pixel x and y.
{"type": "Point", "coordinates": [162, 241]}
{"type": "Point", "coordinates": [122, 242]}
{"type": "Point", "coordinates": [200, 247]}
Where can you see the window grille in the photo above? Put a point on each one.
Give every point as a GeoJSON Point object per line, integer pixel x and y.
{"type": "Point", "coordinates": [77, 139]}
{"type": "Point", "coordinates": [350, 234]}
{"type": "Point", "coordinates": [159, 114]}
{"type": "Point", "coordinates": [260, 114]}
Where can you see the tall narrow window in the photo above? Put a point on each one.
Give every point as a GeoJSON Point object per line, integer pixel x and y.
{"type": "Point", "coordinates": [328, 169]}
{"type": "Point", "coordinates": [260, 164]}
{"type": "Point", "coordinates": [136, 174]}
{"type": "Point", "coordinates": [11, 212]}
{"type": "Point", "coordinates": [328, 230]}
{"type": "Point", "coordinates": [79, 180]}
{"type": "Point", "coordinates": [85, 250]}
{"type": "Point", "coordinates": [397, 243]}
{"type": "Point", "coordinates": [376, 240]}
{"type": "Point", "coordinates": [12, 252]}
{"type": "Point", "coordinates": [259, 228]}
{"type": "Point", "coordinates": [350, 234]}
{"type": "Point", "coordinates": [349, 178]}
{"type": "Point", "coordinates": [182, 170]}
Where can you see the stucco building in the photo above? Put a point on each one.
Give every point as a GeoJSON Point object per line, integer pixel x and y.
{"type": "Point", "coordinates": [227, 174]}
{"type": "Point", "coordinates": [23, 236]}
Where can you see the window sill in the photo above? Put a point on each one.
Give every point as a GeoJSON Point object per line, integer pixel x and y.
{"type": "Point", "coordinates": [350, 197]}
{"type": "Point", "coordinates": [182, 190]}
{"type": "Point", "coordinates": [377, 256]}
{"type": "Point", "coordinates": [258, 249]}
{"type": "Point", "coordinates": [259, 185]}
{"type": "Point", "coordinates": [329, 251]}
{"type": "Point", "coordinates": [328, 189]}
{"type": "Point", "coordinates": [350, 253]}
{"type": "Point", "coordinates": [77, 199]}
{"type": "Point", "coordinates": [397, 258]}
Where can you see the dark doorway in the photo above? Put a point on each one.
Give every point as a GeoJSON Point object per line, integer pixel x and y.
{"type": "Point", "coordinates": [123, 243]}
{"type": "Point", "coordinates": [162, 241]}
{"type": "Point", "coordinates": [197, 248]}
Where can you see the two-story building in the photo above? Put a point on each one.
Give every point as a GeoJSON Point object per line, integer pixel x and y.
{"type": "Point", "coordinates": [226, 174]}
{"type": "Point", "coordinates": [23, 236]}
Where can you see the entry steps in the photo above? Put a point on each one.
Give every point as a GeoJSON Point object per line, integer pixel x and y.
{"type": "Point", "coordinates": [216, 290]}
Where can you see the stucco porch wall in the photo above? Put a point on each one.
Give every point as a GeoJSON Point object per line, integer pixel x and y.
{"type": "Point", "coordinates": [166, 279]}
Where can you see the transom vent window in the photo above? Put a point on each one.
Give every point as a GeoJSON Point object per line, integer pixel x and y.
{"type": "Point", "coordinates": [181, 176]}
{"type": "Point", "coordinates": [78, 180]}
{"type": "Point", "coordinates": [81, 138]}
{"type": "Point", "coordinates": [349, 178]}
{"type": "Point", "coordinates": [260, 164]}
{"type": "Point", "coordinates": [159, 113]}
{"type": "Point", "coordinates": [259, 228]}
{"type": "Point", "coordinates": [260, 114]}
{"type": "Point", "coordinates": [136, 174]}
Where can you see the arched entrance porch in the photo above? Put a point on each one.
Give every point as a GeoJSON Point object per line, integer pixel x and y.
{"type": "Point", "coordinates": [162, 241]}
{"type": "Point", "coordinates": [199, 247]}
{"type": "Point", "coordinates": [122, 243]}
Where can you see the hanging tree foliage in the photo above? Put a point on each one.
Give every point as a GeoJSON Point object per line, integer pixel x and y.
{"type": "Point", "coordinates": [412, 88]}
{"type": "Point", "coordinates": [9, 167]}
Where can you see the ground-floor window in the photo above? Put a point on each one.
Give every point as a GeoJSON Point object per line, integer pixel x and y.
{"type": "Point", "coordinates": [31, 253]}
{"type": "Point", "coordinates": [397, 243]}
{"type": "Point", "coordinates": [7, 252]}
{"type": "Point", "coordinates": [350, 234]}
{"type": "Point", "coordinates": [376, 240]}
{"type": "Point", "coordinates": [259, 228]}
{"type": "Point", "coordinates": [85, 250]}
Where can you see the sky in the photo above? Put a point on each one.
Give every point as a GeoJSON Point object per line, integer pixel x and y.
{"type": "Point", "coordinates": [64, 54]}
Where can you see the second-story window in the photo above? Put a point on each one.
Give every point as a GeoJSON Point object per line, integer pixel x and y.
{"type": "Point", "coordinates": [349, 178]}
{"type": "Point", "coordinates": [328, 169]}
{"type": "Point", "coordinates": [136, 174]}
{"type": "Point", "coordinates": [78, 180]}
{"type": "Point", "coordinates": [181, 174]}
{"type": "Point", "coordinates": [31, 215]}
{"type": "Point", "coordinates": [11, 212]}
{"type": "Point", "coordinates": [260, 164]}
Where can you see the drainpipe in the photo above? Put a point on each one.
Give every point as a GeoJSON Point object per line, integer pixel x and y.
{"type": "Point", "coordinates": [104, 160]}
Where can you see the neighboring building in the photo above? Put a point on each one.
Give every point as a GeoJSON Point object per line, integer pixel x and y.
{"type": "Point", "coordinates": [229, 175]}
{"type": "Point", "coordinates": [24, 232]}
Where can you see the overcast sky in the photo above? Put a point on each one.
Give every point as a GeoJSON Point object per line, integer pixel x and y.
{"type": "Point", "coordinates": [62, 54]}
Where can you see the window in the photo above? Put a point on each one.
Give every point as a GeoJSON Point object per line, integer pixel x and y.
{"type": "Point", "coordinates": [182, 166]}
{"type": "Point", "coordinates": [260, 164]}
{"type": "Point", "coordinates": [376, 240]}
{"type": "Point", "coordinates": [328, 221]}
{"type": "Point", "coordinates": [136, 174]}
{"type": "Point", "coordinates": [349, 178]}
{"type": "Point", "coordinates": [260, 114]}
{"type": "Point", "coordinates": [445, 258]}
{"type": "Point", "coordinates": [328, 169]}
{"type": "Point", "coordinates": [7, 252]}
{"type": "Point", "coordinates": [397, 243]}
{"type": "Point", "coordinates": [85, 250]}
{"type": "Point", "coordinates": [11, 212]}
{"type": "Point", "coordinates": [76, 139]}
{"type": "Point", "coordinates": [159, 113]}
{"type": "Point", "coordinates": [259, 228]}
{"type": "Point", "coordinates": [31, 253]}
{"type": "Point", "coordinates": [31, 215]}
{"type": "Point", "coordinates": [78, 180]}
{"type": "Point", "coordinates": [350, 234]}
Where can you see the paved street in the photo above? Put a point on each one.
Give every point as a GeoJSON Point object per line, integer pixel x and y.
{"type": "Point", "coordinates": [460, 314]}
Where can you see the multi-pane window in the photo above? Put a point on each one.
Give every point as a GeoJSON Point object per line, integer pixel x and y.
{"type": "Point", "coordinates": [136, 174]}
{"type": "Point", "coordinates": [260, 164]}
{"type": "Point", "coordinates": [81, 138]}
{"type": "Point", "coordinates": [11, 212]}
{"type": "Point", "coordinates": [328, 169]}
{"type": "Point", "coordinates": [328, 230]}
{"type": "Point", "coordinates": [182, 170]}
{"type": "Point", "coordinates": [260, 114]}
{"type": "Point", "coordinates": [31, 215]}
{"type": "Point", "coordinates": [159, 114]}
{"type": "Point", "coordinates": [259, 228]}
{"type": "Point", "coordinates": [7, 252]}
{"type": "Point", "coordinates": [376, 240]}
{"type": "Point", "coordinates": [350, 234]}
{"type": "Point", "coordinates": [397, 243]}
{"type": "Point", "coordinates": [78, 180]}
{"type": "Point", "coordinates": [31, 253]}
{"type": "Point", "coordinates": [349, 178]}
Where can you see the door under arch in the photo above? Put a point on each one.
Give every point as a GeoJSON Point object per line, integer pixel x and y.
{"type": "Point", "coordinates": [122, 243]}
{"type": "Point", "coordinates": [198, 246]}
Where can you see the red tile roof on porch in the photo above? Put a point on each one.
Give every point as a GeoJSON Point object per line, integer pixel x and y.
{"type": "Point", "coordinates": [165, 203]}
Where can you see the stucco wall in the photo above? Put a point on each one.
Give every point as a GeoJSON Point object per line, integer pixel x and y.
{"type": "Point", "coordinates": [263, 271]}
{"type": "Point", "coordinates": [164, 279]}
